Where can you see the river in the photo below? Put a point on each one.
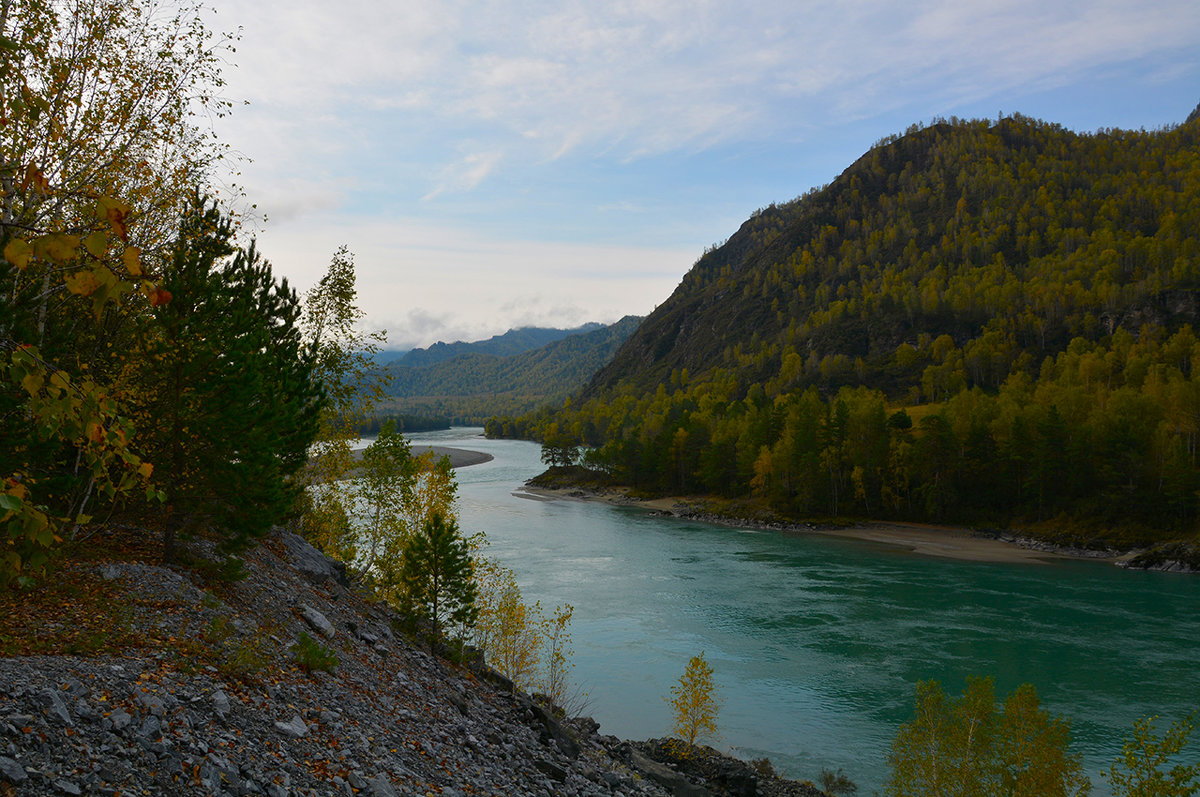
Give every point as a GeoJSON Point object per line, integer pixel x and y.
{"type": "Point", "coordinates": [816, 642]}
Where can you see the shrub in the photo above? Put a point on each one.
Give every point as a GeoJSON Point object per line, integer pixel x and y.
{"type": "Point", "coordinates": [312, 656]}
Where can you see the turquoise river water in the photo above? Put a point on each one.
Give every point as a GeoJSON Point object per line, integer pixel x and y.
{"type": "Point", "coordinates": [817, 643]}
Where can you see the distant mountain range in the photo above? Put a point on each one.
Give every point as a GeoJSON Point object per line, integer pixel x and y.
{"type": "Point", "coordinates": [516, 372]}
{"type": "Point", "coordinates": [514, 341]}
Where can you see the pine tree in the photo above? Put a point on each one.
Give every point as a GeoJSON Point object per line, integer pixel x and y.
{"type": "Point", "coordinates": [228, 401]}
{"type": "Point", "coordinates": [436, 576]}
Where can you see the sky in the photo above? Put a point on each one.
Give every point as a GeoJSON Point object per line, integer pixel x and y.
{"type": "Point", "coordinates": [508, 163]}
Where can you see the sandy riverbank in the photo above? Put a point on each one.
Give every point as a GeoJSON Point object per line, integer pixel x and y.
{"type": "Point", "coordinates": [947, 542]}
{"type": "Point", "coordinates": [459, 457]}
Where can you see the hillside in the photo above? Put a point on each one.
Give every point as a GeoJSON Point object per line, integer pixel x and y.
{"type": "Point", "coordinates": [1023, 292]}
{"type": "Point", "coordinates": [1017, 228]}
{"type": "Point", "coordinates": [127, 677]}
{"type": "Point", "coordinates": [474, 383]}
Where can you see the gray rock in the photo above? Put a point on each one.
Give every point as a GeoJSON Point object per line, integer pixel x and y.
{"type": "Point", "coordinates": [294, 728]}
{"type": "Point", "coordinates": [54, 706]}
{"type": "Point", "coordinates": [120, 719]}
{"type": "Point", "coordinates": [67, 787]}
{"type": "Point", "coordinates": [151, 729]}
{"type": "Point", "coordinates": [551, 769]}
{"type": "Point", "coordinates": [666, 777]}
{"type": "Point", "coordinates": [380, 787]}
{"type": "Point", "coordinates": [152, 703]}
{"type": "Point", "coordinates": [220, 702]}
{"type": "Point", "coordinates": [319, 622]}
{"type": "Point", "coordinates": [311, 562]}
{"type": "Point", "coordinates": [11, 770]}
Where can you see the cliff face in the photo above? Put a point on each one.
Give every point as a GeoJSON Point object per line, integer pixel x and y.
{"type": "Point", "coordinates": [204, 695]}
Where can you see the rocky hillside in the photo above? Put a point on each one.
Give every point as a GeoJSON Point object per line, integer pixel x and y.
{"type": "Point", "coordinates": [193, 685]}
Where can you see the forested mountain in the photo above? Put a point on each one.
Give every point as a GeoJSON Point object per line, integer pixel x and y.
{"type": "Point", "coordinates": [514, 341]}
{"type": "Point", "coordinates": [1026, 292]}
{"type": "Point", "coordinates": [475, 384]}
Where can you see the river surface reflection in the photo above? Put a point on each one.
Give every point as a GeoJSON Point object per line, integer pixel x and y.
{"type": "Point", "coordinates": [817, 643]}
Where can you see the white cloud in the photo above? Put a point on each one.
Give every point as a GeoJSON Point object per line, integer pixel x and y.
{"type": "Point", "coordinates": [425, 283]}
{"type": "Point", "coordinates": [466, 174]}
{"type": "Point", "coordinates": [431, 110]}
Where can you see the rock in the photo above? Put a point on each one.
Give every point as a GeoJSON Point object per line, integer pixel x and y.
{"type": "Point", "coordinates": [665, 776]}
{"type": "Point", "coordinates": [220, 702]}
{"type": "Point", "coordinates": [120, 719]}
{"type": "Point", "coordinates": [151, 729]}
{"type": "Point", "coordinates": [319, 622]}
{"type": "Point", "coordinates": [54, 706]}
{"type": "Point", "coordinates": [552, 731]}
{"type": "Point", "coordinates": [380, 787]}
{"type": "Point", "coordinates": [66, 786]}
{"type": "Point", "coordinates": [11, 770]}
{"type": "Point", "coordinates": [551, 769]}
{"type": "Point", "coordinates": [294, 728]}
{"type": "Point", "coordinates": [311, 562]}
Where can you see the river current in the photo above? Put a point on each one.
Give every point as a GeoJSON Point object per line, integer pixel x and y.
{"type": "Point", "coordinates": [817, 643]}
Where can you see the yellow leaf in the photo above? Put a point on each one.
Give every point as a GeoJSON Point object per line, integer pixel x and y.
{"type": "Point", "coordinates": [32, 383]}
{"type": "Point", "coordinates": [133, 262]}
{"type": "Point", "coordinates": [116, 213]}
{"type": "Point", "coordinates": [34, 179]}
{"type": "Point", "coordinates": [96, 243]}
{"type": "Point", "coordinates": [145, 469]}
{"type": "Point", "coordinates": [18, 253]}
{"type": "Point", "coordinates": [58, 246]}
{"type": "Point", "coordinates": [82, 283]}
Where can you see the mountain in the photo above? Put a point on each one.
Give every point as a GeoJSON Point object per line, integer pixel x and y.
{"type": "Point", "coordinates": [1018, 227]}
{"type": "Point", "coordinates": [977, 321]}
{"type": "Point", "coordinates": [476, 382]}
{"type": "Point", "coordinates": [514, 341]}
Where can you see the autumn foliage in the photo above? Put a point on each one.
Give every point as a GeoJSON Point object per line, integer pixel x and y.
{"type": "Point", "coordinates": [100, 156]}
{"type": "Point", "coordinates": [694, 703]}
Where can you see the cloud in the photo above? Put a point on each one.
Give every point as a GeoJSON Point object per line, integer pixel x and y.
{"type": "Point", "coordinates": [423, 283]}
{"type": "Point", "coordinates": [504, 147]}
{"type": "Point", "coordinates": [635, 79]}
{"type": "Point", "coordinates": [466, 174]}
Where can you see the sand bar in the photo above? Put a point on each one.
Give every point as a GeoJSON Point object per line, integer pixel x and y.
{"type": "Point", "coordinates": [459, 457]}
{"type": "Point", "coordinates": [946, 542]}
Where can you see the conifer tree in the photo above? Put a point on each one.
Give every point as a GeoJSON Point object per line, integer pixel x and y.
{"type": "Point", "coordinates": [229, 403]}
{"type": "Point", "coordinates": [438, 587]}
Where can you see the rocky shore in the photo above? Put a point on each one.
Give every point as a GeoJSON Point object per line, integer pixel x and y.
{"type": "Point", "coordinates": [205, 693]}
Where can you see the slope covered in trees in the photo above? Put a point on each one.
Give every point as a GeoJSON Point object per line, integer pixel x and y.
{"type": "Point", "coordinates": [473, 385]}
{"type": "Point", "coordinates": [1026, 292]}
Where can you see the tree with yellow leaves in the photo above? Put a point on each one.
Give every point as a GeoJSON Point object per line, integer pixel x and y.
{"type": "Point", "coordinates": [100, 102]}
{"type": "Point", "coordinates": [694, 703]}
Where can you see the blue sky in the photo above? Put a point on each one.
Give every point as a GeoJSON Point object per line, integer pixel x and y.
{"type": "Point", "coordinates": [498, 164]}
